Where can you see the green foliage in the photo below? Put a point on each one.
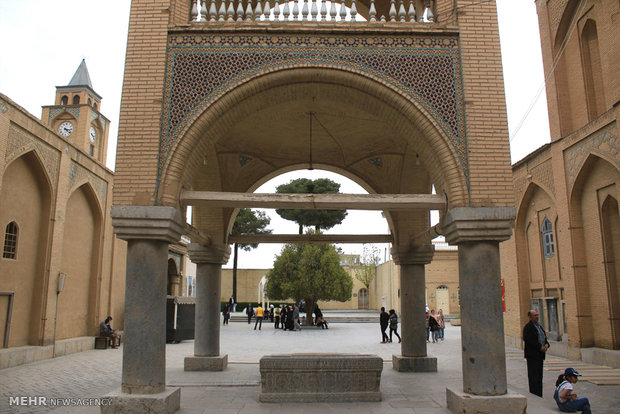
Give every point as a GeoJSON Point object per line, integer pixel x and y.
{"type": "Point", "coordinates": [319, 219]}
{"type": "Point", "coordinates": [367, 271]}
{"type": "Point", "coordinates": [308, 272]}
{"type": "Point", "coordinates": [250, 222]}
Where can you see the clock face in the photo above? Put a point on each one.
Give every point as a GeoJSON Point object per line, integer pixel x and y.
{"type": "Point", "coordinates": [65, 129]}
{"type": "Point", "coordinates": [93, 134]}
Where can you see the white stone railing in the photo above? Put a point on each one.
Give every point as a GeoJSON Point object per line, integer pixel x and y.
{"type": "Point", "coordinates": [404, 11]}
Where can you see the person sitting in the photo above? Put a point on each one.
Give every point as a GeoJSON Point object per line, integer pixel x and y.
{"type": "Point", "coordinates": [105, 329]}
{"type": "Point", "coordinates": [565, 398]}
{"type": "Point", "coordinates": [320, 321]}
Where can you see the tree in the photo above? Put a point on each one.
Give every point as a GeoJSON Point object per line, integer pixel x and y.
{"type": "Point", "coordinates": [247, 222]}
{"type": "Point", "coordinates": [367, 270]}
{"type": "Point", "coordinates": [319, 219]}
{"type": "Point", "coordinates": [308, 272]}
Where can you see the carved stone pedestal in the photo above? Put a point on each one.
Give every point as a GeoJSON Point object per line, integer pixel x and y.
{"type": "Point", "coordinates": [320, 377]}
{"type": "Point", "coordinates": [206, 363]}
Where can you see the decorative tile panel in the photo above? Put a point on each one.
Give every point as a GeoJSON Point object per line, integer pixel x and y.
{"type": "Point", "coordinates": [73, 110]}
{"type": "Point", "coordinates": [95, 115]}
{"type": "Point", "coordinates": [604, 142]}
{"type": "Point", "coordinates": [79, 174]}
{"type": "Point", "coordinates": [203, 67]}
{"type": "Point", "coordinates": [21, 141]}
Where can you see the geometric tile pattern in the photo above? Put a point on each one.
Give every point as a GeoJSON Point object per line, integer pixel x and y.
{"type": "Point", "coordinates": [604, 142]}
{"type": "Point", "coordinates": [75, 111]}
{"type": "Point", "coordinates": [203, 67]}
{"type": "Point", "coordinates": [78, 174]}
{"type": "Point", "coordinates": [21, 141]}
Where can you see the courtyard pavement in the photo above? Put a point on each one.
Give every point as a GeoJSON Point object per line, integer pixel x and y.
{"type": "Point", "coordinates": [92, 374]}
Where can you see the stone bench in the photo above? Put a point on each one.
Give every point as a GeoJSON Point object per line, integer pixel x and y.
{"type": "Point", "coordinates": [320, 377]}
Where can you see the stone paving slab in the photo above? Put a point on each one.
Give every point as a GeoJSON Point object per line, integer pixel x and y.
{"type": "Point", "coordinates": [94, 373]}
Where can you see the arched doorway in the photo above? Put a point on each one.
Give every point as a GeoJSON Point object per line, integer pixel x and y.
{"type": "Point", "coordinates": [362, 299]}
{"type": "Point", "coordinates": [442, 299]}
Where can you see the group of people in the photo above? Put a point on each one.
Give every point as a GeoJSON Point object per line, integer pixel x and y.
{"type": "Point", "coordinates": [535, 350]}
{"type": "Point", "coordinates": [435, 325]}
{"type": "Point", "coordinates": [388, 319]}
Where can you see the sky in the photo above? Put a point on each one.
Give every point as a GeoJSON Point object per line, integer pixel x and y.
{"type": "Point", "coordinates": [44, 42]}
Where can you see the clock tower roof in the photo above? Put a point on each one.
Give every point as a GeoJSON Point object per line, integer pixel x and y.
{"type": "Point", "coordinates": [81, 76]}
{"type": "Point", "coordinates": [80, 80]}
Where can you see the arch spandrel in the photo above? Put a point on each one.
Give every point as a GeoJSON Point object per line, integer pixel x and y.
{"type": "Point", "coordinates": [205, 68]}
{"type": "Point", "coordinates": [362, 125]}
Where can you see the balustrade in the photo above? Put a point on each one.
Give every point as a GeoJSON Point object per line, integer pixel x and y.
{"type": "Point", "coordinates": [403, 11]}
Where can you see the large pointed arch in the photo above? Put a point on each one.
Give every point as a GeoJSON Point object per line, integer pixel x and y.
{"type": "Point", "coordinates": [595, 178]}
{"type": "Point", "coordinates": [26, 199]}
{"type": "Point", "coordinates": [80, 261]}
{"type": "Point", "coordinates": [232, 146]}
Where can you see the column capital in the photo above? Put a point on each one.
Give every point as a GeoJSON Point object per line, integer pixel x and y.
{"type": "Point", "coordinates": [470, 224]}
{"type": "Point", "coordinates": [413, 255]}
{"type": "Point", "coordinates": [147, 223]}
{"type": "Point", "coordinates": [215, 254]}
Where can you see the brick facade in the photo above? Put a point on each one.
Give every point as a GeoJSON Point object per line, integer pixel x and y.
{"type": "Point", "coordinates": [575, 183]}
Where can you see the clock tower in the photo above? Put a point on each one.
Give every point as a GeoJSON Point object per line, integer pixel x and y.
{"type": "Point", "coordinates": [75, 115]}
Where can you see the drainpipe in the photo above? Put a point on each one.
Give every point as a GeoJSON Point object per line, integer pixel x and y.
{"type": "Point", "coordinates": [59, 288]}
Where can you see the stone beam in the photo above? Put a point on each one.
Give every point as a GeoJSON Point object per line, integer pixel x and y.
{"type": "Point", "coordinates": [310, 238]}
{"type": "Point", "coordinates": [314, 201]}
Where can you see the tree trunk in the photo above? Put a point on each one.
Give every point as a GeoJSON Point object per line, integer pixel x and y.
{"type": "Point", "coordinates": [309, 311]}
{"type": "Point", "coordinates": [301, 229]}
{"type": "Point", "coordinates": [234, 281]}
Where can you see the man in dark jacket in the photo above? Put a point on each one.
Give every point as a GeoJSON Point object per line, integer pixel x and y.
{"type": "Point", "coordinates": [384, 319]}
{"type": "Point", "coordinates": [536, 346]}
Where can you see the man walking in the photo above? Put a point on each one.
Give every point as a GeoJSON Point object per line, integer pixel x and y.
{"type": "Point", "coordinates": [384, 320]}
{"type": "Point", "coordinates": [259, 317]}
{"type": "Point", "coordinates": [250, 312]}
{"type": "Point", "coordinates": [535, 349]}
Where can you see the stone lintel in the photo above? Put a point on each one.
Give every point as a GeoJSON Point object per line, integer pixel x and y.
{"type": "Point", "coordinates": [147, 223]}
{"type": "Point", "coordinates": [413, 255]}
{"type": "Point", "coordinates": [463, 403]}
{"type": "Point", "coordinates": [472, 224]}
{"type": "Point", "coordinates": [206, 363]}
{"type": "Point", "coordinates": [402, 363]}
{"type": "Point", "coordinates": [166, 402]}
{"type": "Point", "coordinates": [214, 254]}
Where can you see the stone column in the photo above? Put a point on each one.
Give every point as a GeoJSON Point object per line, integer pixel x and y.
{"type": "Point", "coordinates": [209, 261]}
{"type": "Point", "coordinates": [477, 232]}
{"type": "Point", "coordinates": [413, 328]}
{"type": "Point", "coordinates": [148, 230]}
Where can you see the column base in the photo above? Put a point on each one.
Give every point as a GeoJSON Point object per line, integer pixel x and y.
{"type": "Point", "coordinates": [463, 403]}
{"type": "Point", "coordinates": [206, 363]}
{"type": "Point", "coordinates": [414, 364]}
{"type": "Point", "coordinates": [166, 402]}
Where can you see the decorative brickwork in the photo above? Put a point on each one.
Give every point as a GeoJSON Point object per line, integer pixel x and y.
{"type": "Point", "coordinates": [21, 141]}
{"type": "Point", "coordinates": [556, 10]}
{"type": "Point", "coordinates": [542, 174]}
{"type": "Point", "coordinates": [603, 143]}
{"type": "Point", "coordinates": [203, 67]}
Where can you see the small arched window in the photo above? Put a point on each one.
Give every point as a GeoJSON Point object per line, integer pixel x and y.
{"type": "Point", "coordinates": [10, 241]}
{"type": "Point", "coordinates": [88, 101]}
{"type": "Point", "coordinates": [76, 100]}
{"type": "Point", "coordinates": [64, 100]}
{"type": "Point", "coordinates": [95, 105]}
{"type": "Point", "coordinates": [547, 238]}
